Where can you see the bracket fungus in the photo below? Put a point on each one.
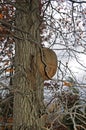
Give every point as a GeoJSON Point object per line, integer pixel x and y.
{"type": "Point", "coordinates": [47, 63]}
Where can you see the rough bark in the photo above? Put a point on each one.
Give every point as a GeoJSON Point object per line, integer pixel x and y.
{"type": "Point", "coordinates": [28, 97]}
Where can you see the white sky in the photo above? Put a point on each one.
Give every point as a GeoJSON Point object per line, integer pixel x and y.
{"type": "Point", "coordinates": [78, 70]}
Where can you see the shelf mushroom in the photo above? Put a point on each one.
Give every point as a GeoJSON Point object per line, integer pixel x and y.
{"type": "Point", "coordinates": [47, 63]}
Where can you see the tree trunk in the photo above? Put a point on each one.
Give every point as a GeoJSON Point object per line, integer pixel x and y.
{"type": "Point", "coordinates": [28, 97]}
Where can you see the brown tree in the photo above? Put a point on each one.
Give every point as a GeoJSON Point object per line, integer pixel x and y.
{"type": "Point", "coordinates": [63, 29]}
{"type": "Point", "coordinates": [28, 97]}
